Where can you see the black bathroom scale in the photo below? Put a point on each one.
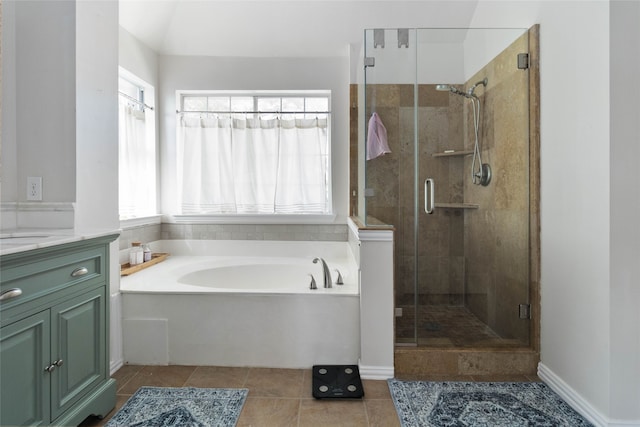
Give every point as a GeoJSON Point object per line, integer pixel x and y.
{"type": "Point", "coordinates": [337, 381]}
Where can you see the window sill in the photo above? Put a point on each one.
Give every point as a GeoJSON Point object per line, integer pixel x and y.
{"type": "Point", "coordinates": [250, 219]}
{"type": "Point", "coordinates": [140, 221]}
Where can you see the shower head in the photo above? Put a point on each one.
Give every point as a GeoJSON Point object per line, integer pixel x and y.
{"type": "Point", "coordinates": [452, 89]}
{"type": "Point", "coordinates": [455, 90]}
{"type": "Point", "coordinates": [482, 82]}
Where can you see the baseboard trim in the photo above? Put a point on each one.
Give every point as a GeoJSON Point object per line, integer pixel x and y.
{"type": "Point", "coordinates": [570, 396]}
{"type": "Point", "coordinates": [622, 423]}
{"type": "Point", "coordinates": [375, 372]}
{"type": "Point", "coordinates": [115, 365]}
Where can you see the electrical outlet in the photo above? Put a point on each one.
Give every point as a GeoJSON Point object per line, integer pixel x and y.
{"type": "Point", "coordinates": [398, 311]}
{"type": "Point", "coordinates": [34, 188]}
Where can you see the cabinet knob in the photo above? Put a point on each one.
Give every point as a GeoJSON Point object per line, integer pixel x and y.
{"type": "Point", "coordinates": [80, 271]}
{"type": "Point", "coordinates": [11, 293]}
{"type": "Point", "coordinates": [58, 362]}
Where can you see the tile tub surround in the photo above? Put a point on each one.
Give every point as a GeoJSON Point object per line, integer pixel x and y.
{"type": "Point", "coordinates": [289, 232]}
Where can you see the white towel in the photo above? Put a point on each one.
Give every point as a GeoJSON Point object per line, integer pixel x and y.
{"type": "Point", "coordinates": [377, 144]}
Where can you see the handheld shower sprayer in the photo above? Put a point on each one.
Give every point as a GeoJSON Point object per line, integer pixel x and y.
{"type": "Point", "coordinates": [480, 172]}
{"type": "Point", "coordinates": [468, 94]}
{"type": "Point", "coordinates": [482, 82]}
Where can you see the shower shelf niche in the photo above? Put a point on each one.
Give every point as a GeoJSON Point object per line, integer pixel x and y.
{"type": "Point", "coordinates": [453, 153]}
{"type": "Point", "coordinates": [457, 205]}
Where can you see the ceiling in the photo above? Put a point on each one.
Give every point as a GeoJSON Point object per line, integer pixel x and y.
{"type": "Point", "coordinates": [285, 28]}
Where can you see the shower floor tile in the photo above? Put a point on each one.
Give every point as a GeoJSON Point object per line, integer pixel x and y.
{"type": "Point", "coordinates": [447, 326]}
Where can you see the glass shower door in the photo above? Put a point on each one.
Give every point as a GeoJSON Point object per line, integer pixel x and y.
{"type": "Point", "coordinates": [472, 282]}
{"type": "Point", "coordinates": [391, 179]}
{"type": "Point", "coordinates": [462, 271]}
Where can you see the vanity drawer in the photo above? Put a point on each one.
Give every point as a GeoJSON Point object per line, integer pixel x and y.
{"type": "Point", "coordinates": [42, 276]}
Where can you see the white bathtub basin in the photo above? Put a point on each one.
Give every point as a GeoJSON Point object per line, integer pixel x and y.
{"type": "Point", "coordinates": [252, 276]}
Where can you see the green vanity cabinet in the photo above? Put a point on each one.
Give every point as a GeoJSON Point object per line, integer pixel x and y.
{"type": "Point", "coordinates": [54, 334]}
{"type": "Point", "coordinates": [24, 350]}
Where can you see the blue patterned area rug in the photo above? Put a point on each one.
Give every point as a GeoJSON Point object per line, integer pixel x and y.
{"type": "Point", "coordinates": [462, 404]}
{"type": "Point", "coordinates": [177, 407]}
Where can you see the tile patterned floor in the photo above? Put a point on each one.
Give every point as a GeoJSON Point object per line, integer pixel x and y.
{"type": "Point", "coordinates": [448, 326]}
{"type": "Point", "coordinates": [277, 397]}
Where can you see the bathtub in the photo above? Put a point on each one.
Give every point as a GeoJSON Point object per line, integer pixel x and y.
{"type": "Point", "coordinates": [242, 303]}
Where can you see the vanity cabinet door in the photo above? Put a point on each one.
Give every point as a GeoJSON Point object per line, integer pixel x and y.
{"type": "Point", "coordinates": [24, 388]}
{"type": "Point", "coordinates": [78, 337]}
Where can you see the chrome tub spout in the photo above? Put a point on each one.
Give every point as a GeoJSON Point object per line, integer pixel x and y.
{"type": "Point", "coordinates": [327, 273]}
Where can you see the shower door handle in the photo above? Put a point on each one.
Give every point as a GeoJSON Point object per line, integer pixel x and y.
{"type": "Point", "coordinates": [429, 196]}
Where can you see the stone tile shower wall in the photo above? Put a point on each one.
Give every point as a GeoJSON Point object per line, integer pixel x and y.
{"type": "Point", "coordinates": [472, 257]}
{"type": "Point", "coordinates": [497, 234]}
{"type": "Point", "coordinates": [440, 239]}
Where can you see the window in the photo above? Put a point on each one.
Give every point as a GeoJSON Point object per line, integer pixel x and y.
{"type": "Point", "coordinates": [254, 153]}
{"type": "Point", "coordinates": [136, 148]}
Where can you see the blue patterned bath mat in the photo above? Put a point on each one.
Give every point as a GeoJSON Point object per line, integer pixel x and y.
{"type": "Point", "coordinates": [469, 404]}
{"type": "Point", "coordinates": [177, 407]}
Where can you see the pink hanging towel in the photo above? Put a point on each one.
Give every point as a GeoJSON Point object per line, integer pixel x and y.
{"type": "Point", "coordinates": [376, 138]}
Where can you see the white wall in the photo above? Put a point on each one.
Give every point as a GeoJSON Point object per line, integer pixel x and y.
{"type": "Point", "coordinates": [137, 58]}
{"type": "Point", "coordinates": [38, 134]}
{"type": "Point", "coordinates": [45, 102]}
{"type": "Point", "coordinates": [96, 82]}
{"type": "Point", "coordinates": [61, 123]}
{"type": "Point", "coordinates": [375, 256]}
{"type": "Point", "coordinates": [625, 210]}
{"type": "Point", "coordinates": [575, 193]}
{"type": "Point", "coordinates": [213, 73]}
{"type": "Point", "coordinates": [96, 102]}
{"type": "Point", "coordinates": [9, 147]}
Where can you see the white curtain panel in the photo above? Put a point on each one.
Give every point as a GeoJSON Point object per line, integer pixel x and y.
{"type": "Point", "coordinates": [255, 163]}
{"type": "Point", "coordinates": [136, 164]}
{"type": "Point", "coordinates": [252, 166]}
{"type": "Point", "coordinates": [303, 164]}
{"type": "Point", "coordinates": [204, 188]}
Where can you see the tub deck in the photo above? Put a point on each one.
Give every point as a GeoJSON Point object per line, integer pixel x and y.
{"type": "Point", "coordinates": [186, 274]}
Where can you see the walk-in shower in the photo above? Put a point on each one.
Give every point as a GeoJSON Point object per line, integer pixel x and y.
{"type": "Point", "coordinates": [451, 101]}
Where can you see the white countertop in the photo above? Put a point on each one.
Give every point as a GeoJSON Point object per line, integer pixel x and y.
{"type": "Point", "coordinates": [21, 240]}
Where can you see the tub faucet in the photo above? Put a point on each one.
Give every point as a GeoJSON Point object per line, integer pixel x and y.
{"type": "Point", "coordinates": [339, 280]}
{"type": "Point", "coordinates": [327, 273]}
